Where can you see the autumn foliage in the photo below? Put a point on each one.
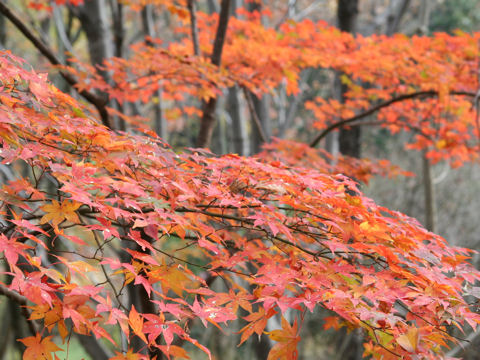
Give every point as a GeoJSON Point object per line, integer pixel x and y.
{"type": "Point", "coordinates": [92, 214]}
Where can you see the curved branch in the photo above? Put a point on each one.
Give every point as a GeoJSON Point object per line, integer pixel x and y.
{"type": "Point", "coordinates": [339, 124]}
{"type": "Point", "coordinates": [92, 98]}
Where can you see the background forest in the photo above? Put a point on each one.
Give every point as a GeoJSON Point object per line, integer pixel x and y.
{"type": "Point", "coordinates": [291, 89]}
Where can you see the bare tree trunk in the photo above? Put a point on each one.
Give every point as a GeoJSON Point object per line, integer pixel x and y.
{"type": "Point", "coordinates": [63, 45]}
{"type": "Point", "coordinates": [429, 190]}
{"type": "Point", "coordinates": [397, 10]}
{"type": "Point", "coordinates": [160, 123]}
{"type": "Point", "coordinates": [93, 18]}
{"type": "Point", "coordinates": [238, 130]}
{"type": "Point", "coordinates": [262, 107]}
{"type": "Point", "coordinates": [208, 117]}
{"type": "Point", "coordinates": [239, 122]}
{"type": "Point", "coordinates": [349, 139]}
{"type": "Point", "coordinates": [428, 185]}
{"type": "Point", "coordinates": [118, 26]}
{"type": "Point", "coordinates": [424, 17]}
{"type": "Point", "coordinates": [3, 32]}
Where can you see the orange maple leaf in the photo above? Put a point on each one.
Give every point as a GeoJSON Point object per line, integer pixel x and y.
{"type": "Point", "coordinates": [130, 355]}
{"type": "Point", "coordinates": [38, 348]}
{"type": "Point", "coordinates": [136, 323]}
{"type": "Point", "coordinates": [57, 212]}
{"type": "Point", "coordinates": [287, 338]}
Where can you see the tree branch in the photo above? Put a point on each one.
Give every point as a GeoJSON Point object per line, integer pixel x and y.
{"type": "Point", "coordinates": [341, 123]}
{"type": "Point", "coordinates": [94, 99]}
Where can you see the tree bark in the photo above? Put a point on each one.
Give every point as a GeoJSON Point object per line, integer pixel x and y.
{"type": "Point", "coordinates": [160, 123]}
{"type": "Point", "coordinates": [349, 139]}
{"type": "Point", "coordinates": [208, 117]}
{"type": "Point", "coordinates": [262, 129]}
{"type": "Point", "coordinates": [396, 13]}
{"type": "Point", "coordinates": [239, 122]}
{"type": "Point", "coordinates": [93, 18]}
{"type": "Point", "coordinates": [429, 190]}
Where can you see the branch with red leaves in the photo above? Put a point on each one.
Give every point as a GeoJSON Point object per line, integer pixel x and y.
{"type": "Point", "coordinates": [94, 99]}
{"type": "Point", "coordinates": [418, 94]}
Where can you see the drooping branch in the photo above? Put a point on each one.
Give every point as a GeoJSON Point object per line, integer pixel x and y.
{"type": "Point", "coordinates": [208, 118]}
{"type": "Point", "coordinates": [95, 100]}
{"type": "Point", "coordinates": [400, 98]}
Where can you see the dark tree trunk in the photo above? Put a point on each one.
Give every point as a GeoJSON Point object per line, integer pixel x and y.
{"type": "Point", "coordinates": [349, 139]}
{"type": "Point", "coordinates": [208, 118]}
{"type": "Point", "coordinates": [262, 105]}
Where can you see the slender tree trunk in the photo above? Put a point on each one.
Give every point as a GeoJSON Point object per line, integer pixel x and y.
{"type": "Point", "coordinates": [238, 130]}
{"type": "Point", "coordinates": [62, 46]}
{"type": "Point", "coordinates": [118, 26]}
{"type": "Point", "coordinates": [262, 106]}
{"type": "Point", "coordinates": [208, 117]}
{"type": "Point", "coordinates": [160, 123]}
{"type": "Point", "coordinates": [429, 190]}
{"type": "Point", "coordinates": [262, 109]}
{"type": "Point", "coordinates": [349, 139]}
{"type": "Point", "coordinates": [428, 185]}
{"type": "Point", "coordinates": [3, 32]}
{"type": "Point", "coordinates": [396, 12]}
{"type": "Point", "coordinates": [239, 122]}
{"type": "Point", "coordinates": [93, 18]}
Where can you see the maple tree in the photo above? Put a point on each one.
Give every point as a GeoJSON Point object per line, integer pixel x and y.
{"type": "Point", "coordinates": [116, 236]}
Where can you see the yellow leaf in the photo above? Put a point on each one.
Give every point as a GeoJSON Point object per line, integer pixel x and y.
{"type": "Point", "coordinates": [136, 323]}
{"type": "Point", "coordinates": [441, 144]}
{"type": "Point", "coordinates": [57, 212]}
{"type": "Point", "coordinates": [409, 341]}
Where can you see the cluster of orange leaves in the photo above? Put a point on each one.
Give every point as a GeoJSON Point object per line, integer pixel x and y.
{"type": "Point", "coordinates": [442, 69]}
{"type": "Point", "coordinates": [284, 229]}
{"type": "Point", "coordinates": [129, 212]}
